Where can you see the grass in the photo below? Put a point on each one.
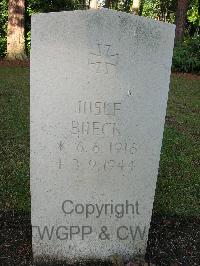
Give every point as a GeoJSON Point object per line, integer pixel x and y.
{"type": "Point", "coordinates": [178, 186]}
{"type": "Point", "coordinates": [14, 138]}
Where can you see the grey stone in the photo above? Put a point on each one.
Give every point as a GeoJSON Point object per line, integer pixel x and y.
{"type": "Point", "coordinates": [99, 89]}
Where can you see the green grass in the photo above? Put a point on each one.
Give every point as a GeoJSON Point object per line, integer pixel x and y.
{"type": "Point", "coordinates": [14, 138]}
{"type": "Point", "coordinates": [178, 186]}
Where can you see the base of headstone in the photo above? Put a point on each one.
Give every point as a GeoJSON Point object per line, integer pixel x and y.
{"type": "Point", "coordinates": [47, 261]}
{"type": "Point", "coordinates": [114, 260]}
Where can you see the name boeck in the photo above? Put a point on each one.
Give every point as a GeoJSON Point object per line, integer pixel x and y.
{"type": "Point", "coordinates": [102, 129]}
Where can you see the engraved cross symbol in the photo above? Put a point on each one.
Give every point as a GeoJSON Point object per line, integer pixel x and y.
{"type": "Point", "coordinates": [60, 163]}
{"type": "Point", "coordinates": [103, 58]}
{"type": "Point", "coordinates": [60, 145]}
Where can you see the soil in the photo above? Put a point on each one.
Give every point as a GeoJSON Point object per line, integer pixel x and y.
{"type": "Point", "coordinates": [172, 241]}
{"type": "Point", "coordinates": [14, 63]}
{"type": "Point", "coordinates": [190, 76]}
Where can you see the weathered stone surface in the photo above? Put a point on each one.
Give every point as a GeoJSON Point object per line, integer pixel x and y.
{"type": "Point", "coordinates": [99, 88]}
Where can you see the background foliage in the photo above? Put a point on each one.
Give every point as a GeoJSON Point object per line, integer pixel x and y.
{"type": "Point", "coordinates": [186, 55]}
{"type": "Point", "coordinates": [3, 26]}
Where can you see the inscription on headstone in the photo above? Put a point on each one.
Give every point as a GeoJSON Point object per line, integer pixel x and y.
{"type": "Point", "coordinates": [99, 88]}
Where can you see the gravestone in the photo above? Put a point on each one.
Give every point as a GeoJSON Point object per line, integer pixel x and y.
{"type": "Point", "coordinates": [99, 89]}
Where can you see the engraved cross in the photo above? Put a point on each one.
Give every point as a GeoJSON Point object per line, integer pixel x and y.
{"type": "Point", "coordinates": [61, 145]}
{"type": "Point", "coordinates": [103, 58]}
{"type": "Point", "coordinates": [60, 164]}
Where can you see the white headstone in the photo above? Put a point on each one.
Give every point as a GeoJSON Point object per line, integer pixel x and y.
{"type": "Point", "coordinates": [99, 89]}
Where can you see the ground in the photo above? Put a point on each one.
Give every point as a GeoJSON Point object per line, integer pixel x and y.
{"type": "Point", "coordinates": [175, 228]}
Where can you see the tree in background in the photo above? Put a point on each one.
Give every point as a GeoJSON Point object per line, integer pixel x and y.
{"type": "Point", "coordinates": [107, 3]}
{"type": "Point", "coordinates": [35, 6]}
{"type": "Point", "coordinates": [93, 4]}
{"type": "Point", "coordinates": [136, 7]}
{"type": "Point", "coordinates": [180, 21]}
{"type": "Point", "coordinates": [162, 10]}
{"type": "Point", "coordinates": [15, 32]}
{"type": "Point", "coordinates": [193, 17]}
{"type": "Point", "coordinates": [187, 19]}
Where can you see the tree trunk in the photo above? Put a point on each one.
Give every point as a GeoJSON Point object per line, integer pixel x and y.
{"type": "Point", "coordinates": [135, 7]}
{"type": "Point", "coordinates": [93, 4]}
{"type": "Point", "coordinates": [180, 20]}
{"type": "Point", "coordinates": [15, 33]}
